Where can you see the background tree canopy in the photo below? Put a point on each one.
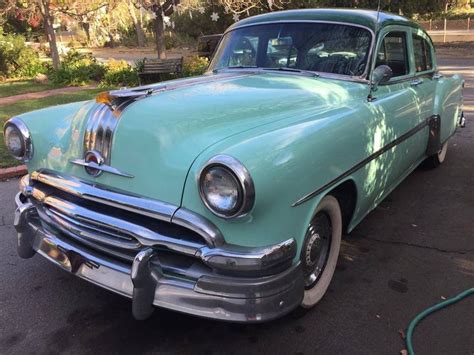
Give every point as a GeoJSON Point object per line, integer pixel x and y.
{"type": "Point", "coordinates": [167, 23]}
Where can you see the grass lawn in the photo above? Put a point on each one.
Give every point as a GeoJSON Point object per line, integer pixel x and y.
{"type": "Point", "coordinates": [17, 87]}
{"type": "Point", "coordinates": [7, 111]}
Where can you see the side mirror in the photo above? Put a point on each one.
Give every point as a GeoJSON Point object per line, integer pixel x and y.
{"type": "Point", "coordinates": [381, 75]}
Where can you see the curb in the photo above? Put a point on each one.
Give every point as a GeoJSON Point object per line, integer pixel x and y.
{"type": "Point", "coordinates": [13, 172]}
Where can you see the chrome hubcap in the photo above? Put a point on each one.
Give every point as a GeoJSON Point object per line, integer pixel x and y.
{"type": "Point", "coordinates": [316, 248]}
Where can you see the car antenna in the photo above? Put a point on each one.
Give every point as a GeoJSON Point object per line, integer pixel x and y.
{"type": "Point", "coordinates": [370, 97]}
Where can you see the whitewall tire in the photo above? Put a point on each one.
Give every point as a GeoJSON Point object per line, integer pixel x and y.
{"type": "Point", "coordinates": [320, 250]}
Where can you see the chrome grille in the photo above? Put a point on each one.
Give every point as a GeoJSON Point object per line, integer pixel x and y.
{"type": "Point", "coordinates": [100, 129]}
{"type": "Point", "coordinates": [119, 225]}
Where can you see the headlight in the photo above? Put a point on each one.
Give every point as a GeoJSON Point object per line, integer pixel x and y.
{"type": "Point", "coordinates": [17, 139]}
{"type": "Point", "coordinates": [226, 187]}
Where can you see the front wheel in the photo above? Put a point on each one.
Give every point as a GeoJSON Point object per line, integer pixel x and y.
{"type": "Point", "coordinates": [320, 250]}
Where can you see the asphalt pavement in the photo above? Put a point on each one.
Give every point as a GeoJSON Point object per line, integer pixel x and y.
{"type": "Point", "coordinates": [414, 250]}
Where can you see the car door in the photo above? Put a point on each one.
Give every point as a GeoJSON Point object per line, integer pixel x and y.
{"type": "Point", "coordinates": [395, 126]}
{"type": "Point", "coordinates": [423, 82]}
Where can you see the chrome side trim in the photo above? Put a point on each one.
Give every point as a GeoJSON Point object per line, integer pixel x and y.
{"type": "Point", "coordinates": [101, 167]}
{"type": "Point", "coordinates": [403, 137]}
{"type": "Point", "coordinates": [25, 132]}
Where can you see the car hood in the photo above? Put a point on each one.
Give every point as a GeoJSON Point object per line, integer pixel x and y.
{"type": "Point", "coordinates": [158, 136]}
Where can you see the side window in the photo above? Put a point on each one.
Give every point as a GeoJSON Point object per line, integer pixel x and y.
{"type": "Point", "coordinates": [422, 52]}
{"type": "Point", "coordinates": [393, 52]}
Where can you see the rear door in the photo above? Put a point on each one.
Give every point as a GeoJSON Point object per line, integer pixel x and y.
{"type": "Point", "coordinates": [423, 82]}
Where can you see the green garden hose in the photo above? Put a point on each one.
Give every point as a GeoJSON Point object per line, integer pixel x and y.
{"type": "Point", "coordinates": [428, 311]}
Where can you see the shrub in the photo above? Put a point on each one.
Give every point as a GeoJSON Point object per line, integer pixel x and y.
{"type": "Point", "coordinates": [16, 59]}
{"type": "Point", "coordinates": [77, 69]}
{"type": "Point", "coordinates": [195, 65]}
{"type": "Point", "coordinates": [119, 73]}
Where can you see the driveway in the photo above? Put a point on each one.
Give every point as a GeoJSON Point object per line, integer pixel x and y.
{"type": "Point", "coordinates": [416, 248]}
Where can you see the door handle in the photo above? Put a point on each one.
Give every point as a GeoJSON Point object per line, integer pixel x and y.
{"type": "Point", "coordinates": [416, 82]}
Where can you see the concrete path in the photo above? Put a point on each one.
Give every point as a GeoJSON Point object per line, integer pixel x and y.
{"type": "Point", "coordinates": [38, 95]}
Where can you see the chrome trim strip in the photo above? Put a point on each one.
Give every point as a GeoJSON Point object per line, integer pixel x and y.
{"type": "Point", "coordinates": [100, 127]}
{"type": "Point", "coordinates": [245, 180]}
{"type": "Point", "coordinates": [236, 258]}
{"type": "Point", "coordinates": [185, 218]}
{"type": "Point", "coordinates": [101, 167]}
{"type": "Point", "coordinates": [98, 193]}
{"type": "Point", "coordinates": [80, 219]}
{"type": "Point", "coordinates": [25, 132]}
{"type": "Point", "coordinates": [367, 160]}
{"type": "Point", "coordinates": [362, 78]}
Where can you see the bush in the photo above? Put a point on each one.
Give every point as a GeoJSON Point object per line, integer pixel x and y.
{"type": "Point", "coordinates": [16, 59]}
{"type": "Point", "coordinates": [77, 69]}
{"type": "Point", "coordinates": [195, 65]}
{"type": "Point", "coordinates": [119, 73]}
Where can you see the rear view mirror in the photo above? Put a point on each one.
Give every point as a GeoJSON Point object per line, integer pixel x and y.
{"type": "Point", "coordinates": [381, 75]}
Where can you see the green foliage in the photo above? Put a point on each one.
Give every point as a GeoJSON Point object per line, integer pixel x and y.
{"type": "Point", "coordinates": [194, 66]}
{"type": "Point", "coordinates": [16, 59]}
{"type": "Point", "coordinates": [178, 39]}
{"type": "Point", "coordinates": [201, 24]}
{"type": "Point", "coordinates": [119, 73]}
{"type": "Point", "coordinates": [77, 69]}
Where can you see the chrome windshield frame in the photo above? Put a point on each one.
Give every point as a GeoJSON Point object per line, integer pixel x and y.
{"type": "Point", "coordinates": [362, 78]}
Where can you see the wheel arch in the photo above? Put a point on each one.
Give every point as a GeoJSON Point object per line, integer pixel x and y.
{"type": "Point", "coordinates": [346, 195]}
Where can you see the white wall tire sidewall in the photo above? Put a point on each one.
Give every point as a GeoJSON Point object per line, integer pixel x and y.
{"type": "Point", "coordinates": [312, 296]}
{"type": "Point", "coordinates": [442, 153]}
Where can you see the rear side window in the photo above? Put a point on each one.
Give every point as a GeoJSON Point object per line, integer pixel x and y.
{"type": "Point", "coordinates": [422, 52]}
{"type": "Point", "coordinates": [393, 52]}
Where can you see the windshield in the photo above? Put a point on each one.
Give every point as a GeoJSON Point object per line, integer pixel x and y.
{"type": "Point", "coordinates": [319, 47]}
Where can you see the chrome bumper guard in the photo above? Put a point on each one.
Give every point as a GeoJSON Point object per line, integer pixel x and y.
{"type": "Point", "coordinates": [233, 297]}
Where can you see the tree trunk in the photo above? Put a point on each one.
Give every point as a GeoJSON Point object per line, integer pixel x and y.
{"type": "Point", "coordinates": [51, 36]}
{"type": "Point", "coordinates": [86, 27]}
{"type": "Point", "coordinates": [160, 35]}
{"type": "Point", "coordinates": [137, 22]}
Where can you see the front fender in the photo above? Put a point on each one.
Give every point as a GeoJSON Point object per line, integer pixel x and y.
{"type": "Point", "coordinates": [285, 163]}
{"type": "Point", "coordinates": [56, 133]}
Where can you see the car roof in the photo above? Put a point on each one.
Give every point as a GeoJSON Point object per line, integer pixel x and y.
{"type": "Point", "coordinates": [367, 18]}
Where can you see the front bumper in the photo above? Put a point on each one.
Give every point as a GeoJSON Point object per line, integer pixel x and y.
{"type": "Point", "coordinates": [213, 295]}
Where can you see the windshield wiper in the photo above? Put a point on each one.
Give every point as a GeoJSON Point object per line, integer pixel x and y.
{"type": "Point", "coordinates": [235, 67]}
{"type": "Point", "coordinates": [292, 70]}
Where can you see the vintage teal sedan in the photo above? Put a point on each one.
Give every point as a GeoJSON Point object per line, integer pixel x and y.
{"type": "Point", "coordinates": [226, 195]}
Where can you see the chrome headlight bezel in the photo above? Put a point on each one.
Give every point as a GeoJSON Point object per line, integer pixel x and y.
{"type": "Point", "coordinates": [27, 143]}
{"type": "Point", "coordinates": [245, 186]}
